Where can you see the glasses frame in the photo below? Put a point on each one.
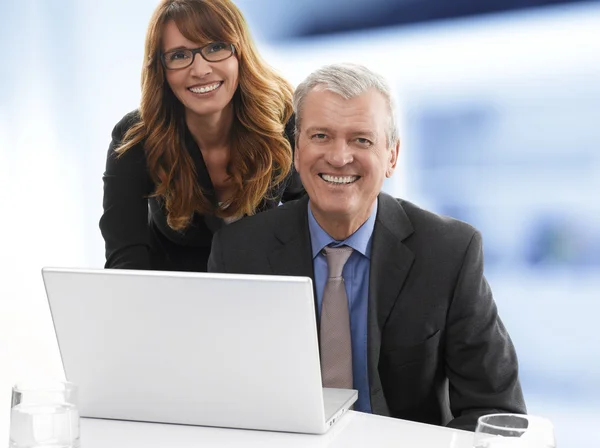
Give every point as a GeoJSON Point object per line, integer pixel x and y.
{"type": "Point", "coordinates": [194, 51]}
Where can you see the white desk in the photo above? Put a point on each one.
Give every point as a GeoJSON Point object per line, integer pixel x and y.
{"type": "Point", "coordinates": [354, 430]}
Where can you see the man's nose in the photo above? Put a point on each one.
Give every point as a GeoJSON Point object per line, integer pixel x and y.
{"type": "Point", "coordinates": [339, 154]}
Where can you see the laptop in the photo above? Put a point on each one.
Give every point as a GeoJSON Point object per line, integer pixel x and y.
{"type": "Point", "coordinates": [226, 350]}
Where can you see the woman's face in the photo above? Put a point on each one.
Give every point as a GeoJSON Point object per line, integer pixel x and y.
{"type": "Point", "coordinates": [204, 88]}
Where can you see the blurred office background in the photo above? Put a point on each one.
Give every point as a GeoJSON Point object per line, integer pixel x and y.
{"type": "Point", "coordinates": [499, 111]}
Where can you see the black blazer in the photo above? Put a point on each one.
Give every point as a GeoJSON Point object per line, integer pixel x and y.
{"type": "Point", "coordinates": [437, 351]}
{"type": "Point", "coordinates": [134, 225]}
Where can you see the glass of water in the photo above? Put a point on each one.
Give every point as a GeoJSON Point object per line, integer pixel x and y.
{"type": "Point", "coordinates": [44, 415]}
{"type": "Point", "coordinates": [513, 430]}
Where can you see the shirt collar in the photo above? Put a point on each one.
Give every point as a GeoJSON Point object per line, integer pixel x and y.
{"type": "Point", "coordinates": [360, 240]}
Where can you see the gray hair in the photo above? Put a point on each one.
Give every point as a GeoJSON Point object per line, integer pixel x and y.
{"type": "Point", "coordinates": [348, 81]}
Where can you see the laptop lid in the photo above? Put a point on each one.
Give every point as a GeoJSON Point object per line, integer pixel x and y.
{"type": "Point", "coordinates": [194, 348]}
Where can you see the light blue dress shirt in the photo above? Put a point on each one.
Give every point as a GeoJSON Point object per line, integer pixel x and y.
{"type": "Point", "coordinates": [356, 278]}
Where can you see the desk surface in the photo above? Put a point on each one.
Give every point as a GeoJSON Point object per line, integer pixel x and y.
{"type": "Point", "coordinates": [354, 430]}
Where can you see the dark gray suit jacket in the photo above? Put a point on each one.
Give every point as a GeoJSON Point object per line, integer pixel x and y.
{"type": "Point", "coordinates": [437, 351]}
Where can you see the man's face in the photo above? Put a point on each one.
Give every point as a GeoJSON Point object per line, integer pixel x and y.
{"type": "Point", "coordinates": [342, 154]}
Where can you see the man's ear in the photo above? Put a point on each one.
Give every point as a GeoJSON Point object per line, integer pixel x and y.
{"type": "Point", "coordinates": [393, 160]}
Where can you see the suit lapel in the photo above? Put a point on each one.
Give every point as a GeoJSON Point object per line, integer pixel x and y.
{"type": "Point", "coordinates": [391, 261]}
{"type": "Point", "coordinates": [293, 255]}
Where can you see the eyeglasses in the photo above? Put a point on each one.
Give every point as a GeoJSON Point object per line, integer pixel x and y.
{"type": "Point", "coordinates": [213, 52]}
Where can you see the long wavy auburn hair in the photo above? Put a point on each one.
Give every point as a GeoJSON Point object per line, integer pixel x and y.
{"type": "Point", "coordinates": [260, 154]}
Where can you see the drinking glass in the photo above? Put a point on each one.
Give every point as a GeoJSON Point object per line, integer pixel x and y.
{"type": "Point", "coordinates": [513, 431]}
{"type": "Point", "coordinates": [44, 415]}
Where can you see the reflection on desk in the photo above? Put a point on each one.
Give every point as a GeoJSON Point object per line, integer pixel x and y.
{"type": "Point", "coordinates": [354, 430]}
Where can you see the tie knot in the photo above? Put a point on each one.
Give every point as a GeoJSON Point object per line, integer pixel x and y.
{"type": "Point", "coordinates": [336, 259]}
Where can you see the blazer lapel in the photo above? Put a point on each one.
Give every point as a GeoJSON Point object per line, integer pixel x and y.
{"type": "Point", "coordinates": [391, 261]}
{"type": "Point", "coordinates": [202, 174]}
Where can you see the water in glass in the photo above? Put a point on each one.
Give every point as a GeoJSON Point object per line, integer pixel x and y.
{"type": "Point", "coordinates": [44, 426]}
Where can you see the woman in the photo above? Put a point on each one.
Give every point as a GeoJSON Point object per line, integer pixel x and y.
{"type": "Point", "coordinates": [208, 145]}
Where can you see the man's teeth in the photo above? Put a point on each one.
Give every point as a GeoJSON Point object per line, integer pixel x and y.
{"type": "Point", "coordinates": [205, 88]}
{"type": "Point", "coordinates": [339, 179]}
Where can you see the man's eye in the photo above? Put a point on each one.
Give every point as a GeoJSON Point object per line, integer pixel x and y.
{"type": "Point", "coordinates": [319, 136]}
{"type": "Point", "coordinates": [364, 141]}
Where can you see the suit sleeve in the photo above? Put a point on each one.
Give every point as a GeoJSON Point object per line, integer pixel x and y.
{"type": "Point", "coordinates": [124, 222]}
{"type": "Point", "coordinates": [481, 363]}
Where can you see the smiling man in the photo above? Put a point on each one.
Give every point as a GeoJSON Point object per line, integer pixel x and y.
{"type": "Point", "coordinates": [405, 313]}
